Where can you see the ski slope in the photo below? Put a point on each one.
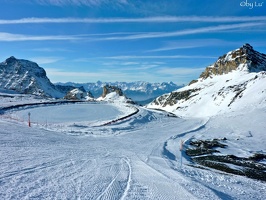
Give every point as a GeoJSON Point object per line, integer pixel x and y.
{"type": "Point", "coordinates": [135, 158]}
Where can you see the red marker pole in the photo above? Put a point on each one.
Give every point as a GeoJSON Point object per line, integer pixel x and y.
{"type": "Point", "coordinates": [29, 118]}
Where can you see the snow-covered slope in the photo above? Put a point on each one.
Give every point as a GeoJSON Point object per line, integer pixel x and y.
{"type": "Point", "coordinates": [136, 158]}
{"type": "Point", "coordinates": [26, 77]}
{"type": "Point", "coordinates": [235, 81]}
{"type": "Point", "coordinates": [115, 97]}
{"type": "Point", "coordinates": [138, 90]}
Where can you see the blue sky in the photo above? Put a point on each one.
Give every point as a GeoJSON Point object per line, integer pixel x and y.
{"type": "Point", "coordinates": [128, 40]}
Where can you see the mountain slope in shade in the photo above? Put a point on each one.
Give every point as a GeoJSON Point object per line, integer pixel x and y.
{"type": "Point", "coordinates": [235, 81]}
{"type": "Point", "coordinates": [26, 77]}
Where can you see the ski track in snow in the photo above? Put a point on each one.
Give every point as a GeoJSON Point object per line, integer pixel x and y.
{"type": "Point", "coordinates": [136, 158]}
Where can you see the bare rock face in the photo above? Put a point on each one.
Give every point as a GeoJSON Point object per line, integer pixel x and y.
{"type": "Point", "coordinates": [108, 89]}
{"type": "Point", "coordinates": [231, 61]}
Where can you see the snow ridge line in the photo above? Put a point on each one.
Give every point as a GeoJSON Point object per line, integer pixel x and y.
{"type": "Point", "coordinates": [3, 109]}
{"type": "Point", "coordinates": [191, 131]}
{"type": "Point", "coordinates": [121, 118]}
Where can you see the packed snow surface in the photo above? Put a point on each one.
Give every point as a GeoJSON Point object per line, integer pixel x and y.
{"type": "Point", "coordinates": [134, 158]}
{"type": "Point", "coordinates": [70, 113]}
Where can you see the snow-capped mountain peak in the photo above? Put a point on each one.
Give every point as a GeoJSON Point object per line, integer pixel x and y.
{"type": "Point", "coordinates": [24, 76]}
{"type": "Point", "coordinates": [244, 59]}
{"type": "Point", "coordinates": [235, 81]}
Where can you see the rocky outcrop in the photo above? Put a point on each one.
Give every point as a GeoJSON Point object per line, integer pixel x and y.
{"type": "Point", "coordinates": [193, 81]}
{"type": "Point", "coordinates": [108, 89]}
{"type": "Point", "coordinates": [114, 94]}
{"type": "Point", "coordinates": [254, 61]}
{"type": "Point", "coordinates": [78, 94]}
{"type": "Point", "coordinates": [174, 97]}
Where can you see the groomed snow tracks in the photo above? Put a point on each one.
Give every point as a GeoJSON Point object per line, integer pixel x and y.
{"type": "Point", "coordinates": [119, 186]}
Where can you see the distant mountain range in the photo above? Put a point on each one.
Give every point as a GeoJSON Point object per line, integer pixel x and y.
{"type": "Point", "coordinates": [27, 77]}
{"type": "Point", "coordinates": [139, 91]}
{"type": "Point", "coordinates": [237, 80]}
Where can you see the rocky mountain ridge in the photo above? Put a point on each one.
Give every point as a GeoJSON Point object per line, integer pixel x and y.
{"type": "Point", "coordinates": [254, 61]}
{"type": "Point", "coordinates": [26, 77]}
{"type": "Point", "coordinates": [235, 81]}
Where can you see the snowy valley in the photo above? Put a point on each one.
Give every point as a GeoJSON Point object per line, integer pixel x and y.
{"type": "Point", "coordinates": [203, 141]}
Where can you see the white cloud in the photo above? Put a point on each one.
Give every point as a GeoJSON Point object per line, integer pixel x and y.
{"type": "Point", "coordinates": [180, 71]}
{"type": "Point", "coordinates": [120, 65]}
{"type": "Point", "coordinates": [57, 72]}
{"type": "Point", "coordinates": [160, 19]}
{"type": "Point", "coordinates": [51, 50]}
{"type": "Point", "coordinates": [129, 63]}
{"type": "Point", "coordinates": [45, 60]}
{"type": "Point", "coordinates": [9, 37]}
{"type": "Point", "coordinates": [159, 57]}
{"type": "Point", "coordinates": [91, 3]}
{"type": "Point", "coordinates": [194, 43]}
{"type": "Point", "coordinates": [57, 75]}
{"type": "Point", "coordinates": [187, 32]}
{"type": "Point", "coordinates": [178, 75]}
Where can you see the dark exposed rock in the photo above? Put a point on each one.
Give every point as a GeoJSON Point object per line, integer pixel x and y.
{"type": "Point", "coordinates": [201, 152]}
{"type": "Point", "coordinates": [193, 81]}
{"type": "Point", "coordinates": [109, 88]}
{"type": "Point", "coordinates": [174, 97]}
{"type": "Point", "coordinates": [258, 157]}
